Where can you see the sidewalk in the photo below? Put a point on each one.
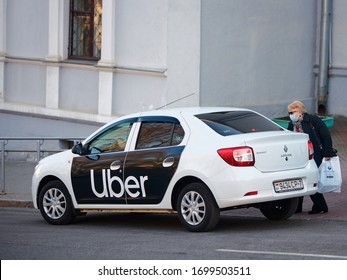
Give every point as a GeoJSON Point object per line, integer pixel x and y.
{"type": "Point", "coordinates": [18, 183]}
{"type": "Point", "coordinates": [18, 176]}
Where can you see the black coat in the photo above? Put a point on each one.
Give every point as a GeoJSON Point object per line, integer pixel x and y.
{"type": "Point", "coordinates": [319, 136]}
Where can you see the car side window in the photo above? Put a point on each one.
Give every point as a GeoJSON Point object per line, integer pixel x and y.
{"type": "Point", "coordinates": [159, 134]}
{"type": "Point", "coordinates": [113, 139]}
{"type": "Point", "coordinates": [178, 135]}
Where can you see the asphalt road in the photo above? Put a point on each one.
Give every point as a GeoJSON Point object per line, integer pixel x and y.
{"type": "Point", "coordinates": [26, 236]}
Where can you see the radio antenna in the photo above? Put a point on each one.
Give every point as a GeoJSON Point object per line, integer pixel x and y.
{"type": "Point", "coordinates": [175, 101]}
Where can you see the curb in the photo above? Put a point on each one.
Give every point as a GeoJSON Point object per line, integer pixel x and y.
{"type": "Point", "coordinates": [16, 203]}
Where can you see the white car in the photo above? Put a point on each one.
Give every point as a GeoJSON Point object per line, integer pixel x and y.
{"type": "Point", "coordinates": [193, 161]}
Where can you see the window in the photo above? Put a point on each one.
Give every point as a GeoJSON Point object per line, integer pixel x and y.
{"type": "Point", "coordinates": [237, 122]}
{"type": "Point", "coordinates": [85, 29]}
{"type": "Point", "coordinates": [112, 140]}
{"type": "Point", "coordinates": [159, 134]}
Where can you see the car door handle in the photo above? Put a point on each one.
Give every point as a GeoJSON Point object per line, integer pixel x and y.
{"type": "Point", "coordinates": [115, 165]}
{"type": "Point", "coordinates": [169, 161]}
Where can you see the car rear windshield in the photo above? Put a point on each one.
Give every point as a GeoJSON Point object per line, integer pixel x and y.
{"type": "Point", "coordinates": [237, 122]}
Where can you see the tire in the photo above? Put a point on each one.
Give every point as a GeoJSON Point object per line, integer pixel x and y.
{"type": "Point", "coordinates": [55, 204]}
{"type": "Point", "coordinates": [196, 208]}
{"type": "Point", "coordinates": [280, 209]}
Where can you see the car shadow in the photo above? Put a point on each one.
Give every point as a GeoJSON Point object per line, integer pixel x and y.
{"type": "Point", "coordinates": [143, 221]}
{"type": "Point", "coordinates": [170, 222]}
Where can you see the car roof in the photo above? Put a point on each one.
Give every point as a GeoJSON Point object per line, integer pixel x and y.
{"type": "Point", "coordinates": [186, 112]}
{"type": "Point", "coordinates": [189, 111]}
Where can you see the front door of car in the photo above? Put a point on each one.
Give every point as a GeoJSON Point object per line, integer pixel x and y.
{"type": "Point", "coordinates": [150, 167]}
{"type": "Point", "coordinates": [97, 175]}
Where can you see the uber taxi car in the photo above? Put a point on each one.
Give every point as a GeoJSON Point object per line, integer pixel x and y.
{"type": "Point", "coordinates": [193, 161]}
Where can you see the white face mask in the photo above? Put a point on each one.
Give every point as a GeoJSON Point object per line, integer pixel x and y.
{"type": "Point", "coordinates": [293, 118]}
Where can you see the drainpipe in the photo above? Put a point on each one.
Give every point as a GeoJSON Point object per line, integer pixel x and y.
{"type": "Point", "coordinates": [324, 55]}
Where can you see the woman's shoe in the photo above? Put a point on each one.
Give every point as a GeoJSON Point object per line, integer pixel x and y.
{"type": "Point", "coordinates": [318, 211]}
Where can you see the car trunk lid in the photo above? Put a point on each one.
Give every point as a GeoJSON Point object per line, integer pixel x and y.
{"type": "Point", "coordinates": [279, 151]}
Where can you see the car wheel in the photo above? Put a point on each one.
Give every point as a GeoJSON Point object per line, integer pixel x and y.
{"type": "Point", "coordinates": [196, 207]}
{"type": "Point", "coordinates": [55, 203]}
{"type": "Point", "coordinates": [280, 210]}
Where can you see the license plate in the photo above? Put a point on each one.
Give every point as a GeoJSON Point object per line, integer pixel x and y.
{"type": "Point", "coordinates": [288, 185]}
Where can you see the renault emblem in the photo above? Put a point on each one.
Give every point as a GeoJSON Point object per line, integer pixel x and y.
{"type": "Point", "coordinates": [285, 148]}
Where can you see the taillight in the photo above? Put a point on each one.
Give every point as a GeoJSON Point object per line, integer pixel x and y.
{"type": "Point", "coordinates": [238, 156]}
{"type": "Point", "coordinates": [310, 150]}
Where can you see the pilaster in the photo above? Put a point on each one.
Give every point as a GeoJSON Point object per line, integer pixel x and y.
{"type": "Point", "coordinates": [108, 58]}
{"type": "Point", "coordinates": [52, 87]}
{"type": "Point", "coordinates": [58, 13]}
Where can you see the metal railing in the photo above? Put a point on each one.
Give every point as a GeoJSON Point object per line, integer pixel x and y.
{"type": "Point", "coordinates": [39, 149]}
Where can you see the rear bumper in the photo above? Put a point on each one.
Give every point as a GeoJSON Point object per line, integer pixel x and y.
{"type": "Point", "coordinates": [247, 185]}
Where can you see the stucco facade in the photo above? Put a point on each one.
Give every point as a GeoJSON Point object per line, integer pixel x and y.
{"type": "Point", "coordinates": [246, 53]}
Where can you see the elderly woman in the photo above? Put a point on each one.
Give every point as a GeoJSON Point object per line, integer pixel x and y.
{"type": "Point", "coordinates": [320, 137]}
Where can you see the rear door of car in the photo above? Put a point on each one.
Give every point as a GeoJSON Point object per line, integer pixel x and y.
{"type": "Point", "coordinates": [150, 166]}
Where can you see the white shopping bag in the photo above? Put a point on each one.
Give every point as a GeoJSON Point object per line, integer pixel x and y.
{"type": "Point", "coordinates": [330, 179]}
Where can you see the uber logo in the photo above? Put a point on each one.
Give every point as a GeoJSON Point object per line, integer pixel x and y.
{"type": "Point", "coordinates": [132, 186]}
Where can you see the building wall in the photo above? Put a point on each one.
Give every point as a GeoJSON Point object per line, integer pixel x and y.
{"type": "Point", "coordinates": [143, 65]}
{"type": "Point", "coordinates": [27, 28]}
{"type": "Point", "coordinates": [247, 53]}
{"type": "Point", "coordinates": [23, 125]}
{"type": "Point", "coordinates": [141, 33]}
{"type": "Point", "coordinates": [25, 84]}
{"type": "Point", "coordinates": [258, 54]}
{"type": "Point", "coordinates": [337, 98]}
{"type": "Point", "coordinates": [184, 57]}
{"type": "Point", "coordinates": [25, 36]}
{"type": "Point", "coordinates": [78, 90]}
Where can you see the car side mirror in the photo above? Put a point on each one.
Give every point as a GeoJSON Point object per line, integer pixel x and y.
{"type": "Point", "coordinates": [78, 149]}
